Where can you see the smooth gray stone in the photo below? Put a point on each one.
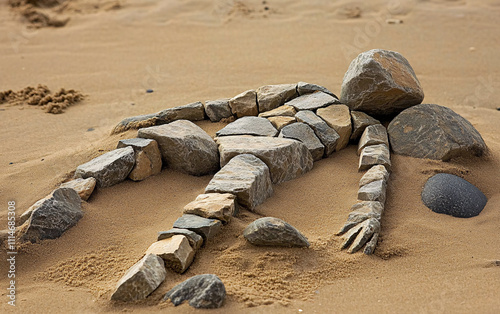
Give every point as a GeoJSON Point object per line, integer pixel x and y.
{"type": "Point", "coordinates": [110, 168]}
{"type": "Point", "coordinates": [202, 291]}
{"type": "Point", "coordinates": [192, 112]}
{"type": "Point", "coordinates": [302, 132]}
{"type": "Point", "coordinates": [54, 216]}
{"type": "Point", "coordinates": [195, 240]}
{"type": "Point", "coordinates": [206, 228]}
{"type": "Point", "coordinates": [373, 135]}
{"type": "Point", "coordinates": [451, 195]}
{"type": "Point", "coordinates": [249, 126]}
{"type": "Point", "coordinates": [270, 231]}
{"type": "Point", "coordinates": [270, 97]}
{"type": "Point", "coordinates": [137, 122]}
{"type": "Point", "coordinates": [304, 88]}
{"type": "Point", "coordinates": [312, 101]}
{"type": "Point", "coordinates": [217, 110]}
{"type": "Point", "coordinates": [374, 191]}
{"type": "Point", "coordinates": [435, 132]}
{"type": "Point", "coordinates": [327, 135]}
{"type": "Point", "coordinates": [360, 121]}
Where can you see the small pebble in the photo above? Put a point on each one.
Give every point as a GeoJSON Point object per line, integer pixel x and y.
{"type": "Point", "coordinates": [498, 108]}
{"type": "Point", "coordinates": [394, 21]}
{"type": "Point", "coordinates": [42, 159]}
{"type": "Point", "coordinates": [11, 163]}
{"type": "Point", "coordinates": [472, 48]}
{"type": "Point", "coordinates": [149, 91]}
{"type": "Point", "coordinates": [90, 129]}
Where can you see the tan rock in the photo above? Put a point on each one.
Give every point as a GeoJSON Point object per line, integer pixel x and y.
{"type": "Point", "coordinates": [244, 104]}
{"type": "Point", "coordinates": [280, 122]}
{"type": "Point", "coordinates": [273, 96]}
{"type": "Point", "coordinates": [284, 110]}
{"type": "Point", "coordinates": [360, 121]}
{"type": "Point", "coordinates": [147, 157]}
{"type": "Point", "coordinates": [175, 251]}
{"type": "Point", "coordinates": [374, 155]}
{"type": "Point", "coordinates": [213, 205]}
{"type": "Point", "coordinates": [375, 173]}
{"type": "Point", "coordinates": [84, 187]}
{"type": "Point", "coordinates": [373, 135]}
{"type": "Point", "coordinates": [374, 191]}
{"type": "Point", "coordinates": [338, 118]}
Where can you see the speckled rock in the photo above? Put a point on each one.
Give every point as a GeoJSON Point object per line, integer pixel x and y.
{"type": "Point", "coordinates": [312, 101]}
{"type": "Point", "coordinates": [284, 110]}
{"type": "Point", "coordinates": [360, 121]}
{"type": "Point", "coordinates": [175, 251]}
{"type": "Point", "coordinates": [374, 155]}
{"type": "Point", "coordinates": [373, 135]}
{"type": "Point", "coordinates": [338, 118]}
{"type": "Point", "coordinates": [206, 228]}
{"type": "Point", "coordinates": [249, 126]}
{"type": "Point", "coordinates": [217, 110]}
{"type": "Point", "coordinates": [244, 104]}
{"type": "Point", "coordinates": [270, 231]}
{"type": "Point", "coordinates": [304, 88]}
{"type": "Point", "coordinates": [327, 135]}
{"type": "Point", "coordinates": [272, 96]}
{"type": "Point", "coordinates": [214, 205]}
{"type": "Point", "coordinates": [202, 291]}
{"type": "Point", "coordinates": [147, 157]}
{"type": "Point", "coordinates": [195, 240]}
{"type": "Point", "coordinates": [84, 187]}
{"type": "Point", "coordinates": [191, 112]}
{"type": "Point", "coordinates": [302, 132]}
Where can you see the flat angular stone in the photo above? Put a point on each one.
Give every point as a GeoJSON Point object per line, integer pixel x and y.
{"type": "Point", "coordinates": [249, 126]}
{"type": "Point", "coordinates": [203, 292]}
{"type": "Point", "coordinates": [338, 118]}
{"type": "Point", "coordinates": [374, 191]}
{"type": "Point", "coordinates": [286, 158]}
{"type": "Point", "coordinates": [435, 132]}
{"type": "Point", "coordinates": [175, 251]}
{"type": "Point", "coordinates": [245, 176]}
{"type": "Point", "coordinates": [270, 231]}
{"type": "Point", "coordinates": [108, 169]}
{"type": "Point", "coordinates": [327, 135]}
{"type": "Point", "coordinates": [312, 101]}
{"type": "Point", "coordinates": [284, 110]}
{"type": "Point", "coordinates": [375, 173]}
{"type": "Point", "coordinates": [137, 122]}
{"type": "Point", "coordinates": [213, 205]}
{"type": "Point", "coordinates": [381, 83]}
{"type": "Point", "coordinates": [373, 135]}
{"type": "Point", "coordinates": [192, 112]}
{"type": "Point", "coordinates": [185, 147]}
{"type": "Point", "coordinates": [217, 110]}
{"type": "Point", "coordinates": [244, 104]}
{"type": "Point", "coordinates": [84, 187]}
{"type": "Point", "coordinates": [195, 240]}
{"type": "Point", "coordinates": [281, 121]}
{"type": "Point", "coordinates": [272, 96]}
{"type": "Point", "coordinates": [302, 132]}
{"type": "Point", "coordinates": [374, 155]}
{"type": "Point", "coordinates": [304, 88]}
{"type": "Point", "coordinates": [141, 279]}
{"type": "Point", "coordinates": [56, 214]}
{"type": "Point", "coordinates": [147, 157]}
{"type": "Point", "coordinates": [206, 228]}
{"type": "Point", "coordinates": [360, 121]}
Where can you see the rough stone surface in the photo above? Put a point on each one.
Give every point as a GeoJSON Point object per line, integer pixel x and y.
{"type": "Point", "coordinates": [175, 251]}
{"type": "Point", "coordinates": [373, 135]}
{"type": "Point", "coordinates": [195, 240]}
{"type": "Point", "coordinates": [270, 231]}
{"type": "Point", "coordinates": [84, 187]}
{"type": "Point", "coordinates": [214, 205]}
{"type": "Point", "coordinates": [381, 83]}
{"type": "Point", "coordinates": [303, 133]}
{"type": "Point", "coordinates": [374, 155]}
{"type": "Point", "coordinates": [191, 112]}
{"type": "Point", "coordinates": [362, 211]}
{"type": "Point", "coordinates": [141, 279]}
{"type": "Point", "coordinates": [273, 96]}
{"type": "Point", "coordinates": [451, 195]}
{"type": "Point", "coordinates": [108, 169]}
{"type": "Point", "coordinates": [327, 135]}
{"type": "Point", "coordinates": [304, 88]}
{"type": "Point", "coordinates": [54, 216]}
{"type": "Point", "coordinates": [137, 122]}
{"type": "Point", "coordinates": [217, 110]}
{"type": "Point", "coordinates": [147, 157]}
{"type": "Point", "coordinates": [206, 228]}
{"type": "Point", "coordinates": [203, 291]}
{"type": "Point", "coordinates": [338, 118]}
{"type": "Point", "coordinates": [244, 104]}
{"type": "Point", "coordinates": [435, 132]}
{"type": "Point", "coordinates": [287, 111]}
{"type": "Point", "coordinates": [360, 121]}
{"type": "Point", "coordinates": [375, 173]}
{"type": "Point", "coordinates": [374, 191]}
{"type": "Point", "coordinates": [312, 101]}
{"type": "Point", "coordinates": [286, 158]}
{"type": "Point", "coordinates": [185, 147]}
{"type": "Point", "coordinates": [281, 121]}
{"type": "Point", "coordinates": [249, 126]}
{"type": "Point", "coordinates": [245, 176]}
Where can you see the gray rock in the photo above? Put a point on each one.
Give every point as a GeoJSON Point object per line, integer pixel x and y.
{"type": "Point", "coordinates": [217, 110]}
{"type": "Point", "coordinates": [451, 195]}
{"type": "Point", "coordinates": [360, 121]}
{"type": "Point", "coordinates": [245, 176]}
{"type": "Point", "coordinates": [435, 132]}
{"type": "Point", "coordinates": [147, 157]}
{"type": "Point", "coordinates": [286, 111]}
{"type": "Point", "coordinates": [338, 117]}
{"type": "Point", "coordinates": [249, 126]}
{"type": "Point", "coordinates": [206, 228]}
{"type": "Point", "coordinates": [327, 135]}
{"type": "Point", "coordinates": [270, 231]}
{"type": "Point", "coordinates": [312, 101]}
{"type": "Point", "coordinates": [244, 104]}
{"type": "Point", "coordinates": [108, 169]}
{"type": "Point", "coordinates": [54, 216]}
{"type": "Point", "coordinates": [375, 173]}
{"type": "Point", "coordinates": [373, 135]}
{"type": "Point", "coordinates": [362, 211]}
{"type": "Point", "coordinates": [273, 96]}
{"type": "Point", "coordinates": [304, 88]}
{"type": "Point", "coordinates": [286, 158]}
{"type": "Point", "coordinates": [192, 112]}
{"type": "Point", "coordinates": [137, 122]}
{"type": "Point", "coordinates": [185, 147]}
{"type": "Point", "coordinates": [381, 83]}
{"type": "Point", "coordinates": [203, 291]}
{"type": "Point", "coordinates": [374, 155]}
{"type": "Point", "coordinates": [195, 240]}
{"type": "Point", "coordinates": [303, 133]}
{"type": "Point", "coordinates": [141, 279]}
{"type": "Point", "coordinates": [374, 191]}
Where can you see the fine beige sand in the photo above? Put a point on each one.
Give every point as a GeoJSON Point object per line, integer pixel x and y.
{"type": "Point", "coordinates": [187, 51]}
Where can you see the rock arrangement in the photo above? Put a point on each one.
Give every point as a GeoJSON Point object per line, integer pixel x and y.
{"type": "Point", "coordinates": [276, 134]}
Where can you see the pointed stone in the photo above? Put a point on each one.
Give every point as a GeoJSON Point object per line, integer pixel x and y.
{"type": "Point", "coordinates": [312, 101]}
{"type": "Point", "coordinates": [284, 110]}
{"type": "Point", "coordinates": [307, 88]}
{"type": "Point", "coordinates": [360, 121]}
{"type": "Point", "coordinates": [280, 122]}
{"type": "Point", "coordinates": [213, 205]}
{"type": "Point", "coordinates": [302, 132]}
{"type": "Point", "coordinates": [338, 117]}
{"type": "Point", "coordinates": [206, 228]}
{"type": "Point", "coordinates": [175, 251]}
{"type": "Point", "coordinates": [270, 231]}
{"type": "Point", "coordinates": [203, 292]}
{"type": "Point", "coordinates": [249, 126]}
{"type": "Point", "coordinates": [147, 157]}
{"type": "Point", "coordinates": [374, 155]}
{"type": "Point", "coordinates": [217, 110]}
{"type": "Point", "coordinates": [272, 96]}
{"type": "Point", "coordinates": [244, 104]}
{"type": "Point", "coordinates": [84, 187]}
{"type": "Point", "coordinates": [374, 191]}
{"type": "Point", "coordinates": [195, 240]}
{"type": "Point", "coordinates": [375, 173]}
{"type": "Point", "coordinates": [192, 112]}
{"type": "Point", "coordinates": [373, 135]}
{"type": "Point", "coordinates": [327, 135]}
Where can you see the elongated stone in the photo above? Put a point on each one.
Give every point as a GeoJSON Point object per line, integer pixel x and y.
{"type": "Point", "coordinates": [195, 240]}
{"type": "Point", "coordinates": [327, 135]}
{"type": "Point", "coordinates": [213, 205]}
{"type": "Point", "coordinates": [304, 88]}
{"type": "Point", "coordinates": [302, 132]}
{"type": "Point", "coordinates": [137, 122]}
{"type": "Point", "coordinates": [373, 135]}
{"type": "Point", "coordinates": [312, 101]}
{"type": "Point", "coordinates": [272, 96]}
{"type": "Point", "coordinates": [287, 111]}
{"type": "Point", "coordinates": [270, 231]}
{"type": "Point", "coordinates": [175, 251]}
{"type": "Point", "coordinates": [249, 126]}
{"type": "Point", "coordinates": [192, 112]}
{"type": "Point", "coordinates": [244, 104]}
{"type": "Point", "coordinates": [374, 155]}
{"type": "Point", "coordinates": [280, 122]}
{"type": "Point", "coordinates": [206, 228]}
{"type": "Point", "coordinates": [338, 118]}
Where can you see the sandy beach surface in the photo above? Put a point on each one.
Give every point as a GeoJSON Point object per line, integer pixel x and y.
{"type": "Point", "coordinates": [187, 51]}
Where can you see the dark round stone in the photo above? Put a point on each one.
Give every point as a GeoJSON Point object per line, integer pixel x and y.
{"type": "Point", "coordinates": [451, 195]}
